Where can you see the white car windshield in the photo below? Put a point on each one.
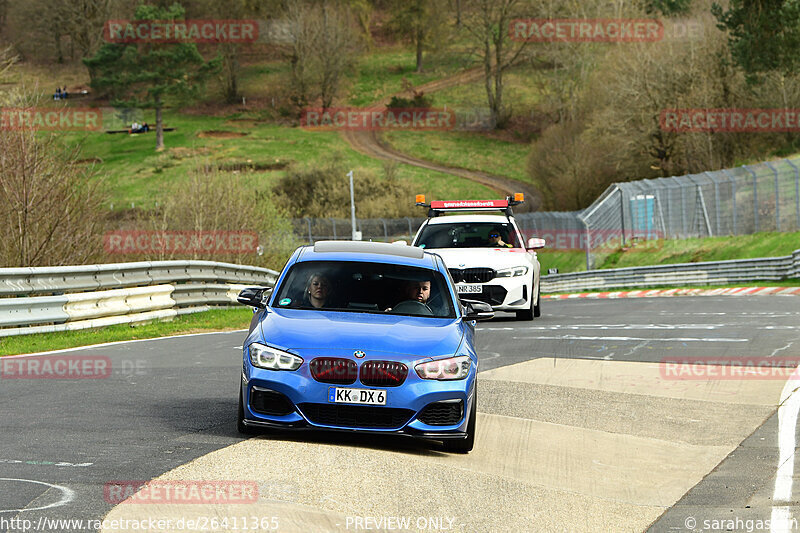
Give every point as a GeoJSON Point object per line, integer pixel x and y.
{"type": "Point", "coordinates": [467, 235]}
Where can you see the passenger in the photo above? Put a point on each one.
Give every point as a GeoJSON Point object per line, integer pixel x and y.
{"type": "Point", "coordinates": [318, 289]}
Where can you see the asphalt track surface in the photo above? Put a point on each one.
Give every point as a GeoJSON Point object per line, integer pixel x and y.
{"type": "Point", "coordinates": [579, 386]}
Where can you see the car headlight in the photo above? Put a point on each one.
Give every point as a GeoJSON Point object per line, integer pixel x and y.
{"type": "Point", "coordinates": [272, 358]}
{"type": "Point", "coordinates": [452, 368]}
{"type": "Point", "coordinates": [512, 272]}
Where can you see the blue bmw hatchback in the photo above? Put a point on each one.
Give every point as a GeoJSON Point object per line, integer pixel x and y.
{"type": "Point", "coordinates": [361, 336]}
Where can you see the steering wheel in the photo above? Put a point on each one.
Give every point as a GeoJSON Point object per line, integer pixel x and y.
{"type": "Point", "coordinates": [412, 307]}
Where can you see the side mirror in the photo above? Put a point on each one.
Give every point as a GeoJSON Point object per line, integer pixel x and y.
{"type": "Point", "coordinates": [535, 244]}
{"type": "Point", "coordinates": [476, 310]}
{"type": "Point", "coordinates": [254, 296]}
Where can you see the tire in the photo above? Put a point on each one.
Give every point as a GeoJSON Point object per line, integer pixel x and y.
{"type": "Point", "coordinates": [537, 309]}
{"type": "Point", "coordinates": [465, 445]}
{"type": "Point", "coordinates": [240, 427]}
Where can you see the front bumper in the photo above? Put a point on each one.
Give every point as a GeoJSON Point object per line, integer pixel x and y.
{"type": "Point", "coordinates": [311, 410]}
{"type": "Point", "coordinates": [505, 294]}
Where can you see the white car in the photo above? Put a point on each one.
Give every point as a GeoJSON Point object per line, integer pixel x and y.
{"type": "Point", "coordinates": [504, 273]}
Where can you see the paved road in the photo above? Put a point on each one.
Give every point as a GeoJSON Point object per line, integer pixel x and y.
{"type": "Point", "coordinates": [595, 439]}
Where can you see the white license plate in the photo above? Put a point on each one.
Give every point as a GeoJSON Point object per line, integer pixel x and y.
{"type": "Point", "coordinates": [469, 289]}
{"type": "Point", "coordinates": [361, 396]}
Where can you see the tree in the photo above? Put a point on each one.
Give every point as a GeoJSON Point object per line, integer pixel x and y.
{"type": "Point", "coordinates": [423, 21]}
{"type": "Point", "coordinates": [668, 7]}
{"type": "Point", "coordinates": [3, 14]}
{"type": "Point", "coordinates": [50, 207]}
{"type": "Point", "coordinates": [487, 23]}
{"type": "Point", "coordinates": [83, 21]}
{"type": "Point", "coordinates": [150, 74]}
{"type": "Point", "coordinates": [322, 50]}
{"type": "Point", "coordinates": [764, 35]}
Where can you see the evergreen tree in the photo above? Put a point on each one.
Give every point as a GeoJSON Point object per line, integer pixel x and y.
{"type": "Point", "coordinates": [151, 74]}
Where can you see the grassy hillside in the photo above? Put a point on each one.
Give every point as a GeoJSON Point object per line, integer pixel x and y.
{"type": "Point", "coordinates": [137, 174]}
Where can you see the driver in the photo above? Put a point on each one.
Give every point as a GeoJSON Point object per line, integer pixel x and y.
{"type": "Point", "coordinates": [496, 241]}
{"type": "Point", "coordinates": [416, 291]}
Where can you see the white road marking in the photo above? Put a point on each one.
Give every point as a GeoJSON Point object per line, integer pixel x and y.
{"type": "Point", "coordinates": [42, 463]}
{"type": "Point", "coordinates": [787, 422]}
{"type": "Point", "coordinates": [67, 495]}
{"type": "Point", "coordinates": [586, 338]}
{"type": "Point", "coordinates": [775, 351]}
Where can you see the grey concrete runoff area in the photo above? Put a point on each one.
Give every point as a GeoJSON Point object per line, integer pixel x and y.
{"type": "Point", "coordinates": [582, 426]}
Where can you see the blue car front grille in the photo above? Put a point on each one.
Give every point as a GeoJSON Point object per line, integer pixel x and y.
{"type": "Point", "coordinates": [383, 373]}
{"type": "Point", "coordinates": [334, 370]}
{"type": "Point", "coordinates": [355, 416]}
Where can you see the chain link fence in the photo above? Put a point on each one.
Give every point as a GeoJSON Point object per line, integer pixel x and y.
{"type": "Point", "coordinates": [737, 201]}
{"type": "Point", "coordinates": [372, 229]}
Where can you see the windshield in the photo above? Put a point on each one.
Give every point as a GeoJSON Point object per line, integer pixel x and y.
{"type": "Point", "coordinates": [365, 288]}
{"type": "Point", "coordinates": [468, 235]}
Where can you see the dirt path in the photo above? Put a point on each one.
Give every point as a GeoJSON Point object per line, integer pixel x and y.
{"type": "Point", "coordinates": [371, 144]}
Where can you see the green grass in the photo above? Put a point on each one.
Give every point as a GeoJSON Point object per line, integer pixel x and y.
{"type": "Point", "coordinates": [472, 151]}
{"type": "Point", "coordinates": [137, 175]}
{"type": "Point", "coordinates": [500, 153]}
{"type": "Point", "coordinates": [677, 251]}
{"type": "Point", "coordinates": [214, 320]}
{"type": "Point", "coordinates": [384, 72]}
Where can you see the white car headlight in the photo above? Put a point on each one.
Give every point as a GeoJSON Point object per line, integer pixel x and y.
{"type": "Point", "coordinates": [272, 358]}
{"type": "Point", "coordinates": [512, 272]}
{"type": "Point", "coordinates": [451, 368]}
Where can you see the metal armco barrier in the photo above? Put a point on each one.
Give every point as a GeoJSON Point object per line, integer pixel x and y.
{"type": "Point", "coordinates": [709, 273]}
{"type": "Point", "coordinates": [62, 279]}
{"type": "Point", "coordinates": [33, 300]}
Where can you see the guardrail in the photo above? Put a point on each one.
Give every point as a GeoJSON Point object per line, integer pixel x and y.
{"type": "Point", "coordinates": [707, 273]}
{"type": "Point", "coordinates": [49, 299]}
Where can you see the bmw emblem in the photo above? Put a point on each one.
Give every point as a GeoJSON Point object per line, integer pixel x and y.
{"type": "Point", "coordinates": [359, 354]}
